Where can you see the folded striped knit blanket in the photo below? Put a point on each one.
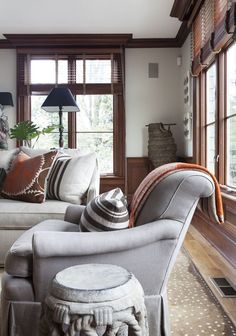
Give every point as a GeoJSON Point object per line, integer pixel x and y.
{"type": "Point", "coordinates": [211, 205]}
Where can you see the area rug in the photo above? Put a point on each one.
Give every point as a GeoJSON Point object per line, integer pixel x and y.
{"type": "Point", "coordinates": [194, 310]}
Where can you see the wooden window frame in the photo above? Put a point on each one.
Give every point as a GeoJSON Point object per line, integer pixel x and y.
{"type": "Point", "coordinates": [116, 178]}
{"type": "Point", "coordinates": [200, 142]}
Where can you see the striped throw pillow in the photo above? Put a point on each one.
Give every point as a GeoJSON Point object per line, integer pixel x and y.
{"type": "Point", "coordinates": [106, 212]}
{"type": "Point", "coordinates": [2, 176]}
{"type": "Point", "coordinates": [70, 177]}
{"type": "Point", "coordinates": [55, 176]}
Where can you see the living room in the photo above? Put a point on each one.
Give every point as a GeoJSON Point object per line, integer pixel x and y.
{"type": "Point", "coordinates": [160, 67]}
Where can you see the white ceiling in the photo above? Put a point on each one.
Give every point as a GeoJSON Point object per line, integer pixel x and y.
{"type": "Point", "coordinates": [142, 18]}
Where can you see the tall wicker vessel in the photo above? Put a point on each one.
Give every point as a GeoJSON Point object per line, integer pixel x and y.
{"type": "Point", "coordinates": [161, 145]}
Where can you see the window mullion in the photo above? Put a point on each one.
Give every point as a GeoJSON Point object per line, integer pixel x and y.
{"type": "Point", "coordinates": [221, 90]}
{"type": "Point", "coordinates": [72, 115]}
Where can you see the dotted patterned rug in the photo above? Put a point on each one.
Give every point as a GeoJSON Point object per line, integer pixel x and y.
{"type": "Point", "coordinates": [194, 310]}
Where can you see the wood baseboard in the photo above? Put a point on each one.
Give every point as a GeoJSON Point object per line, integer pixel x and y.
{"type": "Point", "coordinates": [221, 236]}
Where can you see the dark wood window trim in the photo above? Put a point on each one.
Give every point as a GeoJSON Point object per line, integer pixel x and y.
{"type": "Point", "coordinates": [200, 116]}
{"type": "Point", "coordinates": [25, 89]}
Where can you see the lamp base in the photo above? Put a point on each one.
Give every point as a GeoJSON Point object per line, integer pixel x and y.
{"type": "Point", "coordinates": [61, 141]}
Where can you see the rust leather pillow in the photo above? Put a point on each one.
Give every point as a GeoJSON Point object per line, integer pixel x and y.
{"type": "Point", "coordinates": [26, 181]}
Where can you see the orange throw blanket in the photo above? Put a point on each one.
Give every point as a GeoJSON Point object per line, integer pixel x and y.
{"type": "Point", "coordinates": [212, 205]}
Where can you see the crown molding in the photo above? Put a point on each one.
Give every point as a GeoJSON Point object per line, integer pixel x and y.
{"type": "Point", "coordinates": [152, 43]}
{"type": "Point", "coordinates": [66, 40]}
{"type": "Point", "coordinates": [182, 34]}
{"type": "Point", "coordinates": [5, 44]}
{"type": "Point", "coordinates": [14, 41]}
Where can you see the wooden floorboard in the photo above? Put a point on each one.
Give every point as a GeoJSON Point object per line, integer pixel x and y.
{"type": "Point", "coordinates": [210, 263]}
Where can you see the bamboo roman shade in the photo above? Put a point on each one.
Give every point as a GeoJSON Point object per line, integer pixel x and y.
{"type": "Point", "coordinates": [220, 10]}
{"type": "Point", "coordinates": [211, 30]}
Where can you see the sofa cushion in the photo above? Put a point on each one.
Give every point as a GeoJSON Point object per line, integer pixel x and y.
{"type": "Point", "coordinates": [19, 258]}
{"type": "Point", "coordinates": [27, 177]}
{"type": "Point", "coordinates": [6, 157]}
{"type": "Point", "coordinates": [106, 212]}
{"type": "Point", "coordinates": [22, 215]}
{"type": "Point", "coordinates": [17, 216]}
{"type": "Point", "coordinates": [70, 177]}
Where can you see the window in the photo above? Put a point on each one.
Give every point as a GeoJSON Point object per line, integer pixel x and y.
{"type": "Point", "coordinates": [214, 68]}
{"type": "Point", "coordinates": [96, 81]}
{"type": "Point", "coordinates": [231, 117]}
{"type": "Point", "coordinates": [95, 127]}
{"type": "Point", "coordinates": [216, 104]}
{"type": "Point", "coordinates": [211, 118]}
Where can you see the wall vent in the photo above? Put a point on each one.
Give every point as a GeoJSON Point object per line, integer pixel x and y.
{"type": "Point", "coordinates": [153, 70]}
{"type": "Point", "coordinates": [225, 288]}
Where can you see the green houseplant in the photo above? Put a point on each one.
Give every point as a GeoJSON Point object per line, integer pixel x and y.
{"type": "Point", "coordinates": [27, 131]}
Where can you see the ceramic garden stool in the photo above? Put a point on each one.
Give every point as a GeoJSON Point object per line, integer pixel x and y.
{"type": "Point", "coordinates": [94, 299]}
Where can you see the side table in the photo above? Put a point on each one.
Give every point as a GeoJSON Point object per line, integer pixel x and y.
{"type": "Point", "coordinates": [85, 299]}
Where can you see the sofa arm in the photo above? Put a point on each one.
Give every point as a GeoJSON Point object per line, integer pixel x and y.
{"type": "Point", "coordinates": [94, 186]}
{"type": "Point", "coordinates": [73, 213]}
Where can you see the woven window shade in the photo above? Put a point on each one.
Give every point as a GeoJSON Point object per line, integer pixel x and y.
{"type": "Point", "coordinates": [208, 20]}
{"type": "Point", "coordinates": [197, 42]}
{"type": "Point", "coordinates": [208, 29]}
{"type": "Point", "coordinates": [197, 35]}
{"type": "Point", "coordinates": [221, 36]}
{"type": "Point", "coordinates": [211, 30]}
{"type": "Point", "coordinates": [220, 9]}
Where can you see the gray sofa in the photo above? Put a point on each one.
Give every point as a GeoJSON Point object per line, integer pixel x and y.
{"type": "Point", "coordinates": [18, 216]}
{"type": "Point", "coordinates": [148, 250]}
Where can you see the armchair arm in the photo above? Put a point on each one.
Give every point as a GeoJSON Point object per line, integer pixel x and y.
{"type": "Point", "coordinates": [73, 213]}
{"type": "Point", "coordinates": [90, 243]}
{"type": "Point", "coordinates": [142, 250]}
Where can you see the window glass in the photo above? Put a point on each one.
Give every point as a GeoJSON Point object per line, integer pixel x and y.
{"type": "Point", "coordinates": [231, 152]}
{"type": "Point", "coordinates": [210, 118]}
{"type": "Point", "coordinates": [43, 119]}
{"type": "Point", "coordinates": [95, 128]}
{"type": "Point", "coordinates": [231, 117]}
{"type": "Point", "coordinates": [231, 80]}
{"type": "Point", "coordinates": [79, 71]}
{"type": "Point", "coordinates": [211, 151]}
{"type": "Point", "coordinates": [211, 93]}
{"type": "Point", "coordinates": [96, 113]}
{"type": "Point", "coordinates": [100, 143]}
{"type": "Point", "coordinates": [98, 71]}
{"type": "Point", "coordinates": [62, 71]}
{"type": "Point", "coordinates": [43, 71]}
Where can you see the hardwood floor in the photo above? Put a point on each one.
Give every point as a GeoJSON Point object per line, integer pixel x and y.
{"type": "Point", "coordinates": [211, 264]}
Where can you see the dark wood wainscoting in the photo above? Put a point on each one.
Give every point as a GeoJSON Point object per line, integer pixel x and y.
{"type": "Point", "coordinates": [137, 169]}
{"type": "Point", "coordinates": [111, 182]}
{"type": "Point", "coordinates": [221, 236]}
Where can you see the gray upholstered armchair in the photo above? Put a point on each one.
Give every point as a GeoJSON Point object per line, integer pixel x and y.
{"type": "Point", "coordinates": [149, 251]}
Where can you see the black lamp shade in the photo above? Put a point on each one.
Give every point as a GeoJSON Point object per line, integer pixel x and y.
{"type": "Point", "coordinates": [60, 98]}
{"type": "Point", "coordinates": [6, 99]}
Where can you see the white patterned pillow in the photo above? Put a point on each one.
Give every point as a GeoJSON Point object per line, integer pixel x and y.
{"type": "Point", "coordinates": [70, 177]}
{"type": "Point", "coordinates": [7, 156]}
{"type": "Point", "coordinates": [106, 212]}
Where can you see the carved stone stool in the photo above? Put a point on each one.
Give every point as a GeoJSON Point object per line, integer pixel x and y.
{"type": "Point", "coordinates": [94, 299]}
